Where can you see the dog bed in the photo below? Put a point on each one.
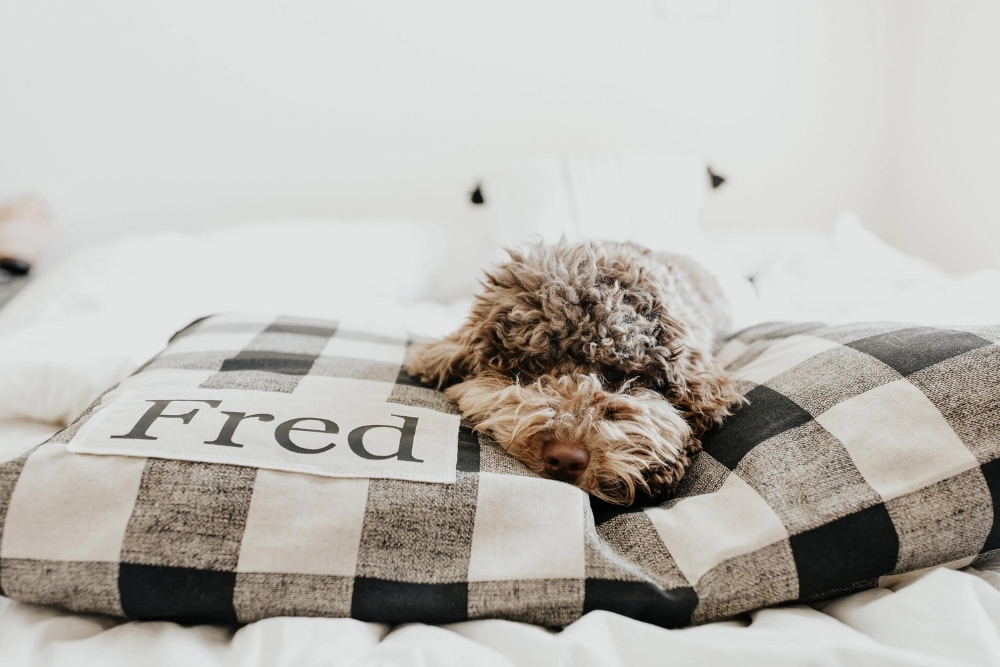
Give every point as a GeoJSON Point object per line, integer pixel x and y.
{"type": "Point", "coordinates": [866, 452]}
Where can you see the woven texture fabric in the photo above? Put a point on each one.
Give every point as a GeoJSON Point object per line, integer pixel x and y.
{"type": "Point", "coordinates": [866, 452]}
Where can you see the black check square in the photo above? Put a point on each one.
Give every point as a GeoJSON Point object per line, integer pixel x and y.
{"type": "Point", "coordinates": [910, 350]}
{"type": "Point", "coordinates": [302, 329]}
{"type": "Point", "coordinates": [182, 594]}
{"type": "Point", "coordinates": [854, 548]}
{"type": "Point", "coordinates": [991, 473]}
{"type": "Point", "coordinates": [767, 414]}
{"type": "Point", "coordinates": [396, 602]}
{"type": "Point", "coordinates": [642, 601]}
{"type": "Point", "coordinates": [468, 450]}
{"type": "Point", "coordinates": [271, 362]}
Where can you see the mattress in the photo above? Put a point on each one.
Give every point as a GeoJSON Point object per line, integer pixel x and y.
{"type": "Point", "coordinates": [48, 373]}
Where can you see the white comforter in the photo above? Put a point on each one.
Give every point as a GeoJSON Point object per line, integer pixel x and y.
{"type": "Point", "coordinates": [90, 321]}
{"type": "Point", "coordinates": [944, 618]}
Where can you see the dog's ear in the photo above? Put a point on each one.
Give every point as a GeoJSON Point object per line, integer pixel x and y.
{"type": "Point", "coordinates": [440, 362]}
{"type": "Point", "coordinates": [702, 390]}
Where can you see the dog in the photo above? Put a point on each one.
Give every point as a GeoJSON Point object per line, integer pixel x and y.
{"type": "Point", "coordinates": [591, 363]}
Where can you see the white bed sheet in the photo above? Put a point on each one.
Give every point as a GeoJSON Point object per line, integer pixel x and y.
{"type": "Point", "coordinates": [61, 348]}
{"type": "Point", "coordinates": [943, 618]}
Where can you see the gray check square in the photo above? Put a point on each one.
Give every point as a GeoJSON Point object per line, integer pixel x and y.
{"type": "Point", "coordinates": [602, 561]}
{"type": "Point", "coordinates": [633, 537]}
{"type": "Point", "coordinates": [965, 390]}
{"type": "Point", "coordinates": [807, 477]}
{"type": "Point", "coordinates": [422, 397]}
{"type": "Point", "coordinates": [942, 522]}
{"type": "Point", "coordinates": [418, 533]}
{"type": "Point", "coordinates": [540, 601]}
{"type": "Point", "coordinates": [83, 587]}
{"type": "Point", "coordinates": [826, 379]}
{"type": "Point", "coordinates": [706, 475]}
{"type": "Point", "coordinates": [10, 471]}
{"type": "Point", "coordinates": [744, 583]}
{"type": "Point", "coordinates": [296, 327]}
{"type": "Point", "coordinates": [356, 369]}
{"type": "Point", "coordinates": [260, 595]}
{"type": "Point", "coordinates": [189, 514]}
{"type": "Point", "coordinates": [493, 458]}
{"type": "Point", "coordinates": [253, 381]}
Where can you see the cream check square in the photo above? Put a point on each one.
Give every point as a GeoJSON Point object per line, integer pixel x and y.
{"type": "Point", "coordinates": [362, 349]}
{"type": "Point", "coordinates": [303, 524]}
{"type": "Point", "coordinates": [784, 356]}
{"type": "Point", "coordinates": [346, 388]}
{"type": "Point", "coordinates": [897, 439]}
{"type": "Point", "coordinates": [68, 507]}
{"type": "Point", "coordinates": [527, 528]}
{"type": "Point", "coordinates": [702, 531]}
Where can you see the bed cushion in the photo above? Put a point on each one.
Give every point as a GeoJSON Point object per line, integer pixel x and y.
{"type": "Point", "coordinates": [866, 452]}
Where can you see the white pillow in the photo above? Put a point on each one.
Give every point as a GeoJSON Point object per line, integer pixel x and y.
{"type": "Point", "coordinates": [650, 199]}
{"type": "Point", "coordinates": [848, 275]}
{"type": "Point", "coordinates": [91, 319]}
{"type": "Point", "coordinates": [300, 265]}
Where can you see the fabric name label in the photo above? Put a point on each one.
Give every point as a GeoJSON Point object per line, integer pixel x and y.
{"type": "Point", "coordinates": [308, 434]}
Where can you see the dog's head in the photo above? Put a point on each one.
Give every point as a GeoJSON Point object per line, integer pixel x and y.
{"type": "Point", "coordinates": [587, 363]}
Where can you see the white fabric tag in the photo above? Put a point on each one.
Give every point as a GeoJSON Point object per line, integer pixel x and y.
{"type": "Point", "coordinates": [308, 434]}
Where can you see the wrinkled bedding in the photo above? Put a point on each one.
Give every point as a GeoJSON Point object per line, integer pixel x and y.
{"type": "Point", "coordinates": [945, 618]}
{"type": "Point", "coordinates": [940, 617]}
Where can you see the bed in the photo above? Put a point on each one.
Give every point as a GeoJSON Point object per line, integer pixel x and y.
{"type": "Point", "coordinates": [56, 356]}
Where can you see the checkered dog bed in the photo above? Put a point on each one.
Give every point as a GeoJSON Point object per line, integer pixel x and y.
{"type": "Point", "coordinates": [866, 452]}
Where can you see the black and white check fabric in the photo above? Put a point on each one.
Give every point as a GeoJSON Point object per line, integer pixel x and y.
{"type": "Point", "coordinates": [866, 452]}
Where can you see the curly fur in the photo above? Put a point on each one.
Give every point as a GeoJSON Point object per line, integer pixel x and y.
{"type": "Point", "coordinates": [605, 345]}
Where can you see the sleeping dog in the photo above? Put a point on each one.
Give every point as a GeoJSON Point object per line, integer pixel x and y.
{"type": "Point", "coordinates": [591, 363]}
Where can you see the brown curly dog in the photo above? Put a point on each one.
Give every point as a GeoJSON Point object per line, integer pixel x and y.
{"type": "Point", "coordinates": [591, 363]}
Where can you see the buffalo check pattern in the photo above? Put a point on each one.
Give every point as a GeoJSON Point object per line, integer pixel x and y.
{"type": "Point", "coordinates": [864, 453]}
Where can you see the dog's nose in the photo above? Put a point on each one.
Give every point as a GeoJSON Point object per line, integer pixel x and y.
{"type": "Point", "coordinates": [565, 461]}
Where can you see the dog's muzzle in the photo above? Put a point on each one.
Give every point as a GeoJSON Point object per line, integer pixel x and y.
{"type": "Point", "coordinates": [565, 461]}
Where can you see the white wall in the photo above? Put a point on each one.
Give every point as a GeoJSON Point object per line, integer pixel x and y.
{"type": "Point", "coordinates": [946, 197]}
{"type": "Point", "coordinates": [138, 114]}
{"type": "Point", "coordinates": [131, 115]}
